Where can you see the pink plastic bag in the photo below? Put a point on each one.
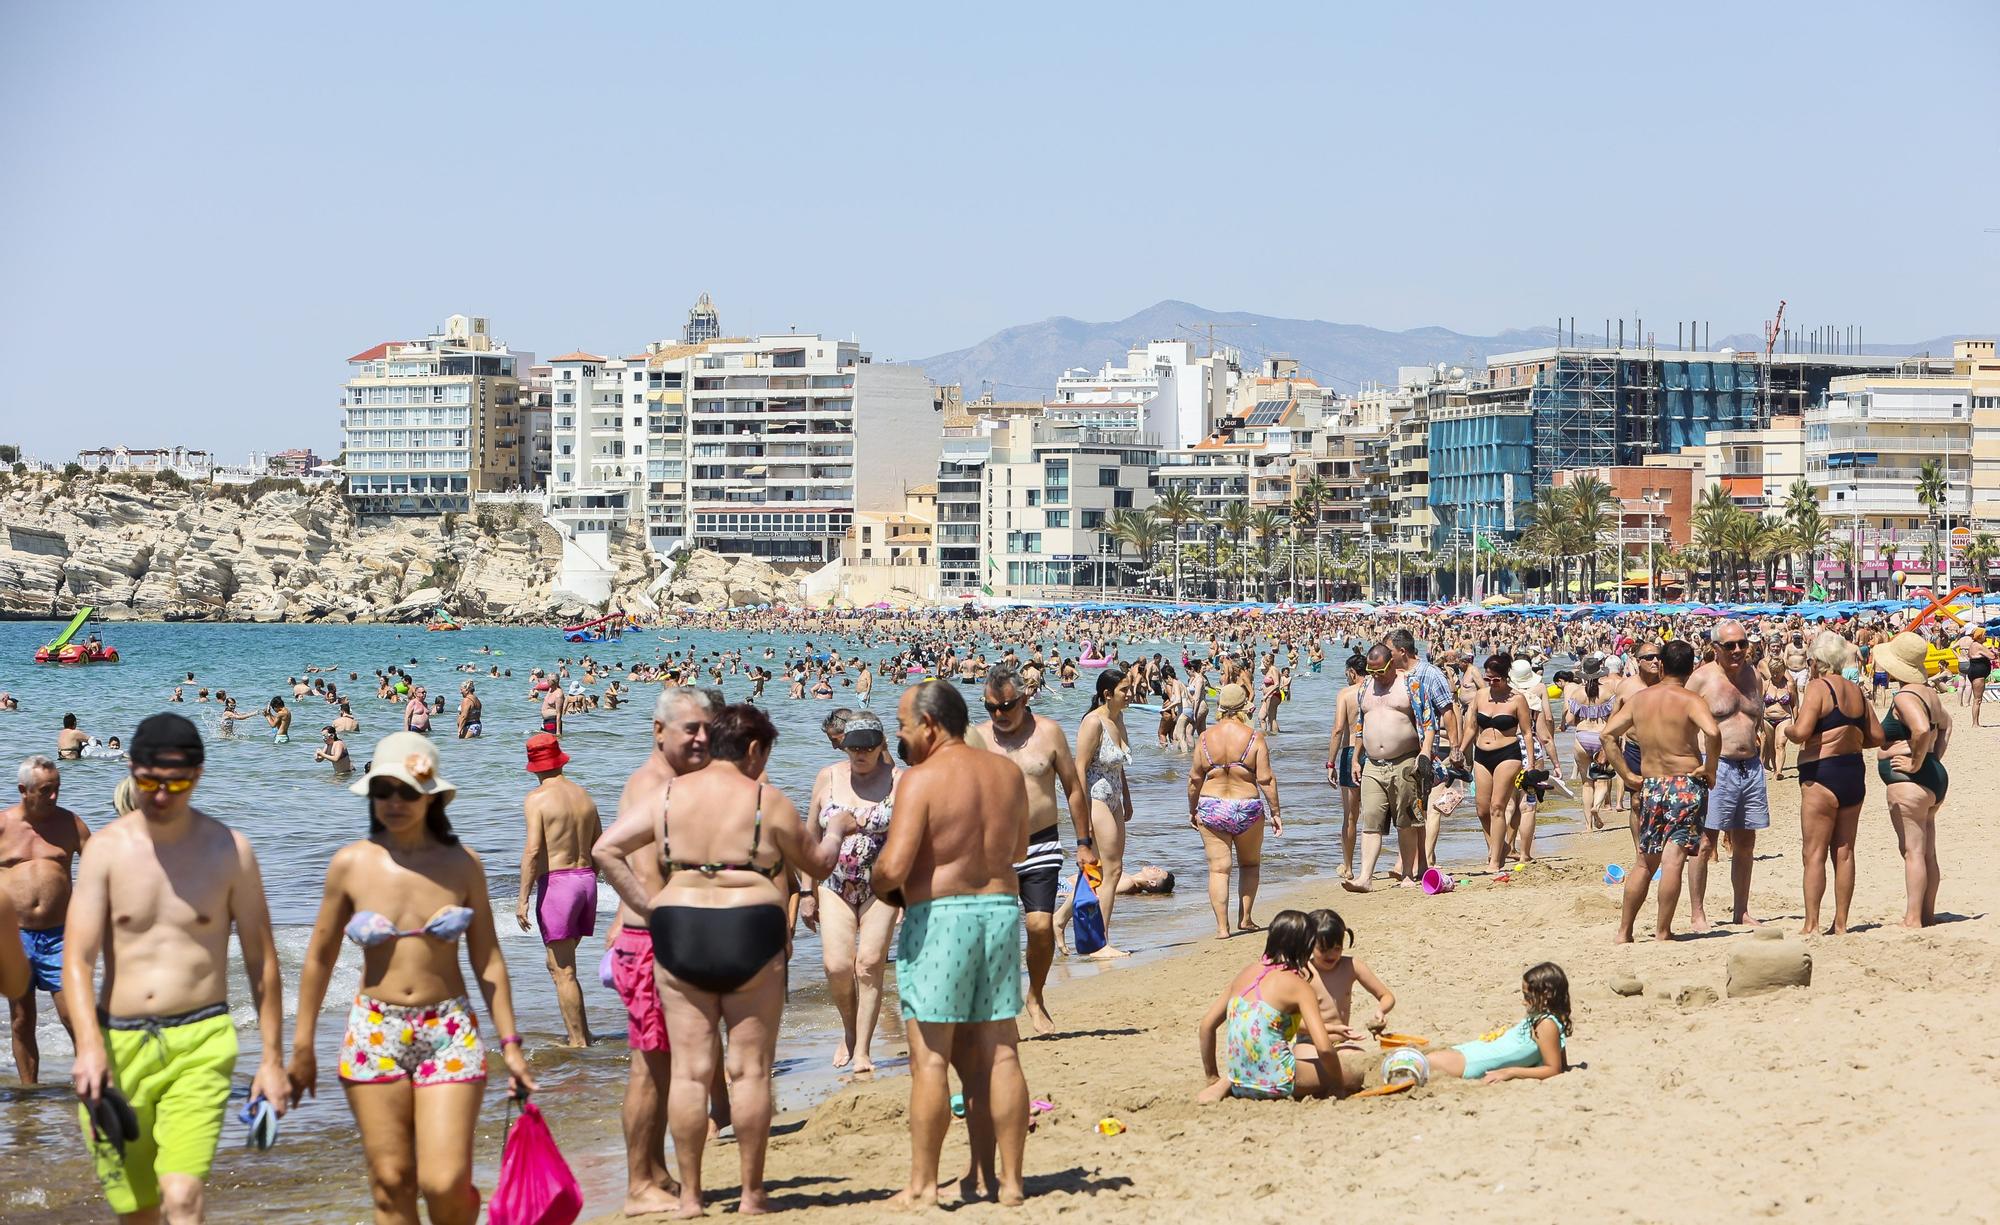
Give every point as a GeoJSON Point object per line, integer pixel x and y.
{"type": "Point", "coordinates": [536, 1186]}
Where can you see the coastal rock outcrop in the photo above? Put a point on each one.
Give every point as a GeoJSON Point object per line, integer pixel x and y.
{"type": "Point", "coordinates": [145, 549]}
{"type": "Point", "coordinates": [711, 581]}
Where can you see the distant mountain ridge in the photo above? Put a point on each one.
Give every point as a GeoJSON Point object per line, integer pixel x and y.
{"type": "Point", "coordinates": [1022, 362]}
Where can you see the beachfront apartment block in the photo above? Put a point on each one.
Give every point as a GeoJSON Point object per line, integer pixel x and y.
{"type": "Point", "coordinates": [1053, 490]}
{"type": "Point", "coordinates": [428, 423]}
{"type": "Point", "coordinates": [1163, 391]}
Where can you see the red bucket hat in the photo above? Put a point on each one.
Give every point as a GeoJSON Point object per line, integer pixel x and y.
{"type": "Point", "coordinates": [545, 753]}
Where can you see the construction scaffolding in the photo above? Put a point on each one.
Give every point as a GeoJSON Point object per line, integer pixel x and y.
{"type": "Point", "coordinates": [1576, 414]}
{"type": "Point", "coordinates": [1603, 407]}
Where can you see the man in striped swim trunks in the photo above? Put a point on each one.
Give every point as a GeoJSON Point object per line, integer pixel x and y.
{"type": "Point", "coordinates": [961, 824]}
{"type": "Point", "coordinates": [1041, 749]}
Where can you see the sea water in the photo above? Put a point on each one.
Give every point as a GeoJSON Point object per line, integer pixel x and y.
{"type": "Point", "coordinates": [296, 814]}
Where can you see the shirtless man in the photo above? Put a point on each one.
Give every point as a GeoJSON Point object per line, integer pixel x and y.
{"type": "Point", "coordinates": [345, 723]}
{"type": "Point", "coordinates": [70, 741]}
{"type": "Point", "coordinates": [1677, 768]}
{"type": "Point", "coordinates": [1737, 803]}
{"type": "Point", "coordinates": [961, 825]}
{"type": "Point", "coordinates": [1646, 673]}
{"type": "Point", "coordinates": [279, 717]}
{"type": "Point", "coordinates": [680, 746]}
{"type": "Point", "coordinates": [1342, 771]}
{"type": "Point", "coordinates": [470, 712]}
{"type": "Point", "coordinates": [157, 893]}
{"type": "Point", "coordinates": [39, 840]}
{"type": "Point", "coordinates": [555, 864]}
{"type": "Point", "coordinates": [333, 749]}
{"type": "Point", "coordinates": [1041, 749]}
{"type": "Point", "coordinates": [1388, 741]}
{"type": "Point", "coordinates": [552, 707]}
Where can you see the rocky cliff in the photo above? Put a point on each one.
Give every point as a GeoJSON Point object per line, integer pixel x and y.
{"type": "Point", "coordinates": [147, 550]}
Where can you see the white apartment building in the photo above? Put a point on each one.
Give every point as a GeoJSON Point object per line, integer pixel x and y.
{"type": "Point", "coordinates": [184, 462]}
{"type": "Point", "coordinates": [1163, 392]}
{"type": "Point", "coordinates": [597, 441]}
{"type": "Point", "coordinates": [1865, 448]}
{"type": "Point", "coordinates": [961, 512]}
{"type": "Point", "coordinates": [1755, 467]}
{"type": "Point", "coordinates": [427, 423]}
{"type": "Point", "coordinates": [1052, 491]}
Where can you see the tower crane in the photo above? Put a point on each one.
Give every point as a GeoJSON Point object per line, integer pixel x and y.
{"type": "Point", "coordinates": [1773, 328]}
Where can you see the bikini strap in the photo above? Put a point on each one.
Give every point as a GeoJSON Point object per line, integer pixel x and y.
{"type": "Point", "coordinates": [1248, 748]}
{"type": "Point", "coordinates": [660, 826]}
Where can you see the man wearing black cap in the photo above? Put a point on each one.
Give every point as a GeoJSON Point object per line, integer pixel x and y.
{"type": "Point", "coordinates": [164, 885]}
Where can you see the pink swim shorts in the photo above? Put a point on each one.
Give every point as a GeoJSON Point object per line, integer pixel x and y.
{"type": "Point", "coordinates": [566, 904]}
{"type": "Point", "coordinates": [632, 975]}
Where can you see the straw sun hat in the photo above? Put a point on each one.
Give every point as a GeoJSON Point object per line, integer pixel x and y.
{"type": "Point", "coordinates": [1903, 658]}
{"type": "Point", "coordinates": [410, 759]}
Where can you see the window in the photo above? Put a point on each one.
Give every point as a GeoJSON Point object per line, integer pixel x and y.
{"type": "Point", "coordinates": [1057, 518]}
{"type": "Point", "coordinates": [1121, 499]}
{"type": "Point", "coordinates": [1034, 497]}
{"type": "Point", "coordinates": [1107, 478]}
{"type": "Point", "coordinates": [1093, 519]}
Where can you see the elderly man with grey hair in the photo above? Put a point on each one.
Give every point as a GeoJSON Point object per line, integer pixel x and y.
{"type": "Point", "coordinates": [1738, 802]}
{"type": "Point", "coordinates": [627, 850]}
{"type": "Point", "coordinates": [39, 843]}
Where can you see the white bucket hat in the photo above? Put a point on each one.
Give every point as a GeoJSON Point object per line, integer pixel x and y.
{"type": "Point", "coordinates": [410, 759]}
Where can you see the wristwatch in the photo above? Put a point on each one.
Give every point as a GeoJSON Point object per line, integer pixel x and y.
{"type": "Point", "coordinates": [1086, 842]}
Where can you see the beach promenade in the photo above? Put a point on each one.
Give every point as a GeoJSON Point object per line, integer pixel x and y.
{"type": "Point", "coordinates": [1878, 1083]}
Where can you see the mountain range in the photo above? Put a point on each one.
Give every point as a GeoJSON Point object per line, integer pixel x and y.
{"type": "Point", "coordinates": [1022, 362]}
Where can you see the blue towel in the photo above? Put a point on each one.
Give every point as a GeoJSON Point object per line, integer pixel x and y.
{"type": "Point", "coordinates": [1089, 919]}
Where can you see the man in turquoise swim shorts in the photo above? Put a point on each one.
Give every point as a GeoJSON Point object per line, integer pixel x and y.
{"type": "Point", "coordinates": [961, 825]}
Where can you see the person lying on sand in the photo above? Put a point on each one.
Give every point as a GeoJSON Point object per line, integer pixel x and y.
{"type": "Point", "coordinates": [1532, 1050]}
{"type": "Point", "coordinates": [1264, 1009]}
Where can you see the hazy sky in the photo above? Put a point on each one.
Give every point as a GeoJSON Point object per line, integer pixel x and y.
{"type": "Point", "coordinates": [209, 206]}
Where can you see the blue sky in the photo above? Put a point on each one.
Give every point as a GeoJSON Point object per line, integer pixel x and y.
{"type": "Point", "coordinates": [209, 206]}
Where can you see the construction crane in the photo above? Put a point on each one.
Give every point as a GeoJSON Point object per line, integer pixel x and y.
{"type": "Point", "coordinates": [1773, 328]}
{"type": "Point", "coordinates": [1210, 326]}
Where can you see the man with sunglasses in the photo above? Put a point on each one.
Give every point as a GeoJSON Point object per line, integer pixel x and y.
{"type": "Point", "coordinates": [157, 893]}
{"type": "Point", "coordinates": [1041, 749]}
{"type": "Point", "coordinates": [1646, 673]}
{"type": "Point", "coordinates": [39, 842]}
{"type": "Point", "coordinates": [1738, 804]}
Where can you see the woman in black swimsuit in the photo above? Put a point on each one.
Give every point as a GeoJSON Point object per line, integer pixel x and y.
{"type": "Point", "coordinates": [1493, 736]}
{"type": "Point", "coordinates": [1832, 724]}
{"type": "Point", "coordinates": [720, 936]}
{"type": "Point", "coordinates": [1916, 730]}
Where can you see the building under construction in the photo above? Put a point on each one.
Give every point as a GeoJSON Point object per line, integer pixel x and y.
{"type": "Point", "coordinates": [1585, 407]}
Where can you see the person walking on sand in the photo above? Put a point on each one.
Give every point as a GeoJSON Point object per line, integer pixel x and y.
{"type": "Point", "coordinates": [1105, 748]}
{"type": "Point", "coordinates": [1232, 797]}
{"type": "Point", "coordinates": [412, 1057]}
{"type": "Point", "coordinates": [158, 892]}
{"type": "Point", "coordinates": [1738, 802]}
{"type": "Point", "coordinates": [1342, 768]}
{"type": "Point", "coordinates": [680, 746]}
{"type": "Point", "coordinates": [855, 926]}
{"type": "Point", "coordinates": [39, 843]}
{"type": "Point", "coordinates": [556, 867]}
{"type": "Point", "coordinates": [1677, 767]}
{"type": "Point", "coordinates": [1832, 723]}
{"type": "Point", "coordinates": [1389, 740]}
{"type": "Point", "coordinates": [1039, 747]}
{"type": "Point", "coordinates": [961, 825]}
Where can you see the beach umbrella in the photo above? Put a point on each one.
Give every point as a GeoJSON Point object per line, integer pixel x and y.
{"type": "Point", "coordinates": [1496, 600]}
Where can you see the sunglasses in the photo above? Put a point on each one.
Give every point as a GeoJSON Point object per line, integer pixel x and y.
{"type": "Point", "coordinates": [386, 789]}
{"type": "Point", "coordinates": [1649, 658]}
{"type": "Point", "coordinates": [1731, 646]}
{"type": "Point", "coordinates": [172, 786]}
{"type": "Point", "coordinates": [996, 708]}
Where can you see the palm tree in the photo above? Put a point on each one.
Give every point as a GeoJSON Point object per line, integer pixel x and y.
{"type": "Point", "coordinates": [1234, 521]}
{"type": "Point", "coordinates": [1313, 494]}
{"type": "Point", "coordinates": [1888, 549]}
{"type": "Point", "coordinates": [1590, 506]}
{"type": "Point", "coordinates": [1713, 512]}
{"type": "Point", "coordinates": [1142, 532]}
{"type": "Point", "coordinates": [1980, 554]}
{"type": "Point", "coordinates": [1267, 525]}
{"type": "Point", "coordinates": [1933, 490]}
{"type": "Point", "coordinates": [1176, 508]}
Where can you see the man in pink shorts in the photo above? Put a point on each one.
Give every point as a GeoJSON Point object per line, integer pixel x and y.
{"type": "Point", "coordinates": [556, 867]}
{"type": "Point", "coordinates": [680, 745]}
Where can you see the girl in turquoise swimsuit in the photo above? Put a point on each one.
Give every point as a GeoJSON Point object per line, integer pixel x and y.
{"type": "Point", "coordinates": [1265, 1008]}
{"type": "Point", "coordinates": [1532, 1050]}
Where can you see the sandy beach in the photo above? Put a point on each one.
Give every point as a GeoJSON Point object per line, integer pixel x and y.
{"type": "Point", "coordinates": [1817, 1103]}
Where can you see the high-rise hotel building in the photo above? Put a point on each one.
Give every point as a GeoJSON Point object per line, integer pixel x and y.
{"type": "Point", "coordinates": [427, 423]}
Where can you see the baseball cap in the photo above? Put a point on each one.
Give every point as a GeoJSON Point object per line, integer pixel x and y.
{"type": "Point", "coordinates": [167, 740]}
{"type": "Point", "coordinates": [862, 731]}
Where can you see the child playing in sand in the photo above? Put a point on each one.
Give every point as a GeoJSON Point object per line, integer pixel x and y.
{"type": "Point", "coordinates": [1334, 975]}
{"type": "Point", "coordinates": [1532, 1050]}
{"type": "Point", "coordinates": [1264, 1009]}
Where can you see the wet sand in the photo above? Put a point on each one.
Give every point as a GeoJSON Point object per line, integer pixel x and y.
{"type": "Point", "coordinates": [1881, 1078]}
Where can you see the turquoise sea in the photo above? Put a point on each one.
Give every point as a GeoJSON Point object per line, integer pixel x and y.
{"type": "Point", "coordinates": [296, 815]}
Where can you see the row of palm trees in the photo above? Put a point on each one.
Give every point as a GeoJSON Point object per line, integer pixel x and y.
{"type": "Point", "coordinates": [1569, 538]}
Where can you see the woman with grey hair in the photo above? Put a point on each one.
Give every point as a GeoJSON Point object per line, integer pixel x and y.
{"type": "Point", "coordinates": [1831, 723]}
{"type": "Point", "coordinates": [855, 926]}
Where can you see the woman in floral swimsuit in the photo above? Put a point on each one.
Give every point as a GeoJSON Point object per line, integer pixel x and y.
{"type": "Point", "coordinates": [855, 926]}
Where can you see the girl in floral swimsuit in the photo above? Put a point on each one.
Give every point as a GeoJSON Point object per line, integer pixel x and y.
{"type": "Point", "coordinates": [1265, 1008]}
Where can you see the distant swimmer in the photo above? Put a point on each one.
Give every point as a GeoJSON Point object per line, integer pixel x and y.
{"type": "Point", "coordinates": [470, 709]}
{"type": "Point", "coordinates": [279, 717]}
{"type": "Point", "coordinates": [70, 741]}
{"type": "Point", "coordinates": [334, 749]}
{"type": "Point", "coordinates": [39, 841]}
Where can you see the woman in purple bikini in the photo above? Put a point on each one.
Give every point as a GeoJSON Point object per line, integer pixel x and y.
{"type": "Point", "coordinates": [1232, 795]}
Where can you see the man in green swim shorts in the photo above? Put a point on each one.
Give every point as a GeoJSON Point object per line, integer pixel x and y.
{"type": "Point", "coordinates": [961, 825]}
{"type": "Point", "coordinates": [157, 893]}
